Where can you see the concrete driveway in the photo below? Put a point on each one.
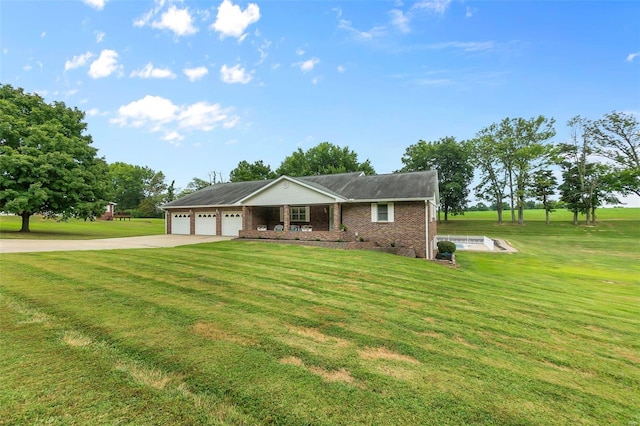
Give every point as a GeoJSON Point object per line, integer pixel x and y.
{"type": "Point", "coordinates": [151, 241]}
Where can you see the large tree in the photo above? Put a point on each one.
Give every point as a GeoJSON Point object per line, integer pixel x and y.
{"type": "Point", "coordinates": [452, 162]}
{"type": "Point", "coordinates": [323, 159]}
{"type": "Point", "coordinates": [47, 163]}
{"type": "Point", "coordinates": [521, 148]}
{"type": "Point", "coordinates": [617, 137]}
{"type": "Point", "coordinates": [587, 182]}
{"type": "Point", "coordinates": [137, 189]}
{"type": "Point", "coordinates": [543, 185]}
{"type": "Point", "coordinates": [493, 174]}
{"type": "Point", "coordinates": [246, 171]}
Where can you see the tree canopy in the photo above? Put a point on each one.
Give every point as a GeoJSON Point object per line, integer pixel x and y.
{"type": "Point", "coordinates": [323, 159]}
{"type": "Point", "coordinates": [455, 171]}
{"type": "Point", "coordinates": [47, 162]}
{"type": "Point", "coordinates": [617, 137]}
{"type": "Point", "coordinates": [246, 171]}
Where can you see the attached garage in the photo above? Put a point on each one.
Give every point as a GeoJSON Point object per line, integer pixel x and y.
{"type": "Point", "coordinates": [180, 223]}
{"type": "Point", "coordinates": [205, 223]}
{"type": "Point", "coordinates": [231, 223]}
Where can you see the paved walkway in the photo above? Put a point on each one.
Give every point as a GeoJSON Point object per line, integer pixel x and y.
{"type": "Point", "coordinates": [150, 241]}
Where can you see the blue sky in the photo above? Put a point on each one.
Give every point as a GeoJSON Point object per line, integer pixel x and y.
{"type": "Point", "coordinates": [190, 87]}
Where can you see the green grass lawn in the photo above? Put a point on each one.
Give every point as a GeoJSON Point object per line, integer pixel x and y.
{"type": "Point", "coordinates": [75, 229]}
{"type": "Point", "coordinates": [243, 332]}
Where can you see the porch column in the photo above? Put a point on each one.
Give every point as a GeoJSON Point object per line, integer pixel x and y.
{"type": "Point", "coordinates": [337, 217]}
{"type": "Point", "coordinates": [287, 217]}
{"type": "Point", "coordinates": [246, 219]}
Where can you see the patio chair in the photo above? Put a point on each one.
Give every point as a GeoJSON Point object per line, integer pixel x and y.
{"type": "Point", "coordinates": [279, 228]}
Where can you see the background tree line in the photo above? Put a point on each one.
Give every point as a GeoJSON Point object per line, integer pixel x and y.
{"type": "Point", "coordinates": [48, 166]}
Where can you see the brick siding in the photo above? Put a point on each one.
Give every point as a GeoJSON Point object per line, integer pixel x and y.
{"type": "Point", "coordinates": [407, 229]}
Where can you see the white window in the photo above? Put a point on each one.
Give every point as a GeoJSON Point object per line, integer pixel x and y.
{"type": "Point", "coordinates": [296, 214]}
{"type": "Point", "coordinates": [381, 212]}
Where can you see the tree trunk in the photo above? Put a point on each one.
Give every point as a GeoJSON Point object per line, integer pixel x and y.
{"type": "Point", "coordinates": [499, 216]}
{"type": "Point", "coordinates": [546, 211]}
{"type": "Point", "coordinates": [520, 211]}
{"type": "Point", "coordinates": [575, 217]}
{"type": "Point", "coordinates": [25, 221]}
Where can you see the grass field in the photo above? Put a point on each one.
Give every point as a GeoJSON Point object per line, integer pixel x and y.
{"type": "Point", "coordinates": [74, 229]}
{"type": "Point", "coordinates": [245, 332]}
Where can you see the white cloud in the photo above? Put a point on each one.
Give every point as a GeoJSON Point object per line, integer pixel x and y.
{"type": "Point", "coordinates": [96, 4]}
{"type": "Point", "coordinates": [467, 46]}
{"type": "Point", "coordinates": [173, 136]}
{"type": "Point", "coordinates": [374, 32]}
{"type": "Point", "coordinates": [470, 12]}
{"type": "Point", "coordinates": [341, 69]}
{"type": "Point", "coordinates": [99, 36]}
{"type": "Point", "coordinates": [632, 56]}
{"type": "Point", "coordinates": [435, 6]}
{"type": "Point", "coordinates": [400, 21]}
{"type": "Point", "coordinates": [148, 110]}
{"type": "Point", "coordinates": [263, 50]}
{"type": "Point", "coordinates": [94, 112]}
{"type": "Point", "coordinates": [231, 21]}
{"type": "Point", "coordinates": [235, 74]}
{"type": "Point", "coordinates": [195, 73]}
{"type": "Point", "coordinates": [309, 64]}
{"type": "Point", "coordinates": [150, 72]}
{"type": "Point", "coordinates": [205, 116]}
{"type": "Point", "coordinates": [105, 65]}
{"type": "Point", "coordinates": [77, 61]}
{"type": "Point", "coordinates": [299, 52]}
{"type": "Point", "coordinates": [27, 67]}
{"type": "Point", "coordinates": [177, 20]}
{"type": "Point", "coordinates": [158, 114]}
{"type": "Point", "coordinates": [43, 34]}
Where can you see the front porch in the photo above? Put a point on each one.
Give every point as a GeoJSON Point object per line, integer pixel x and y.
{"type": "Point", "coordinates": [320, 222]}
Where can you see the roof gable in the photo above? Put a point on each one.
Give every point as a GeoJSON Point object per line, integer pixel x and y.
{"type": "Point", "coordinates": [288, 190]}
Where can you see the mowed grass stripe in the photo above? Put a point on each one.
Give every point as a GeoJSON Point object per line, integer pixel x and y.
{"type": "Point", "coordinates": [515, 349]}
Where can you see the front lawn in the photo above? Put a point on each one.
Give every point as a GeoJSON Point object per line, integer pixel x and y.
{"type": "Point", "coordinates": [244, 332]}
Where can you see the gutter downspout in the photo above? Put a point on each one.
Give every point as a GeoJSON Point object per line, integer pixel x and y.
{"type": "Point", "coordinates": [426, 229]}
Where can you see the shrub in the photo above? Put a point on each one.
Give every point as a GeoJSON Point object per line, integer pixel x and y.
{"type": "Point", "coordinates": [446, 247]}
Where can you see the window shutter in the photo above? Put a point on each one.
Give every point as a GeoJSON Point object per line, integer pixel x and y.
{"type": "Point", "coordinates": [307, 214]}
{"type": "Point", "coordinates": [374, 212]}
{"type": "Point", "coordinates": [390, 212]}
{"type": "Point", "coordinates": [281, 214]}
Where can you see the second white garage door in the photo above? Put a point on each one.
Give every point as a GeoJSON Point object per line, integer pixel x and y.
{"type": "Point", "coordinates": [231, 223]}
{"type": "Point", "coordinates": [205, 223]}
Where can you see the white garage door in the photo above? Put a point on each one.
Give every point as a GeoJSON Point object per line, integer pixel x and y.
{"type": "Point", "coordinates": [231, 223]}
{"type": "Point", "coordinates": [180, 223]}
{"type": "Point", "coordinates": [206, 223]}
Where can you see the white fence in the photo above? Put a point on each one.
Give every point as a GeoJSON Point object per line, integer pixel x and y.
{"type": "Point", "coordinates": [469, 242]}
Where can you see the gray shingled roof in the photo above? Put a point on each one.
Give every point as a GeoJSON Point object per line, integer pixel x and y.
{"type": "Point", "coordinates": [219, 194]}
{"type": "Point", "coordinates": [350, 186]}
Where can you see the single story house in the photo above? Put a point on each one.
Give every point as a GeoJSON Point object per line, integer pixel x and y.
{"type": "Point", "coordinates": [390, 210]}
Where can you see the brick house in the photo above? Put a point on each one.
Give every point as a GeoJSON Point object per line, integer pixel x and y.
{"type": "Point", "coordinates": [396, 210]}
